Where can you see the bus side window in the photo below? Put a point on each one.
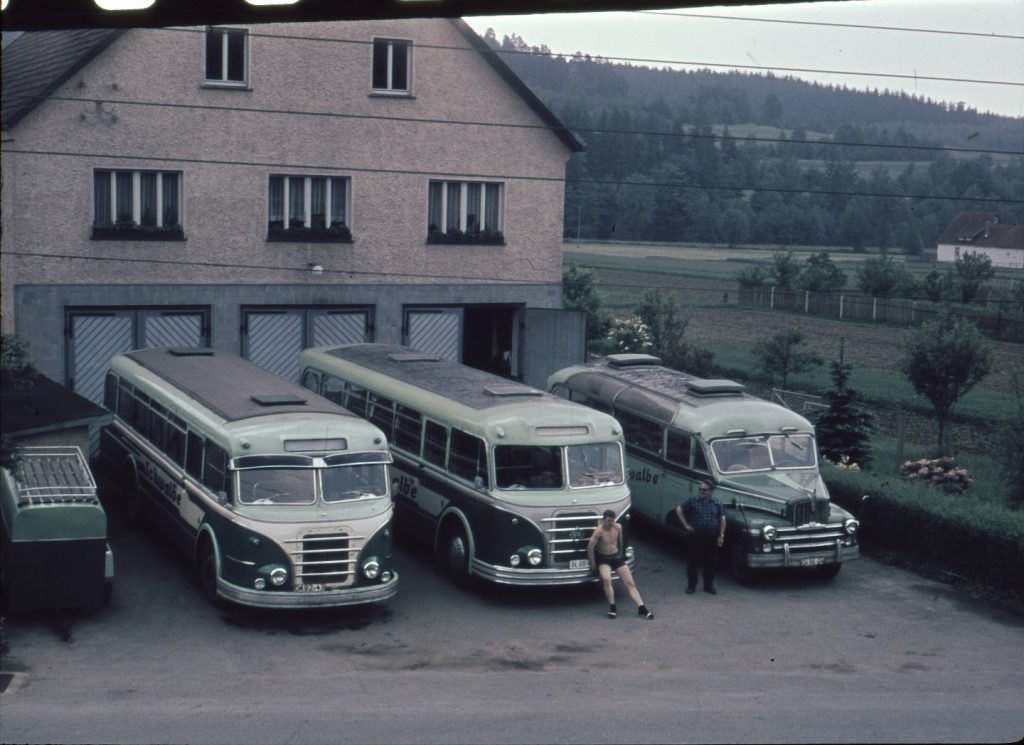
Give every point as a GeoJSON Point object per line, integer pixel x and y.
{"type": "Point", "coordinates": [124, 401]}
{"type": "Point", "coordinates": [215, 472]}
{"type": "Point", "coordinates": [311, 380]}
{"type": "Point", "coordinates": [194, 455]}
{"type": "Point", "coordinates": [110, 392]}
{"type": "Point", "coordinates": [468, 458]}
{"type": "Point", "coordinates": [408, 424]}
{"type": "Point", "coordinates": [435, 443]}
{"type": "Point", "coordinates": [157, 425]}
{"type": "Point", "coordinates": [678, 448]}
{"type": "Point", "coordinates": [700, 463]}
{"type": "Point", "coordinates": [382, 413]}
{"type": "Point", "coordinates": [355, 400]}
{"type": "Point", "coordinates": [176, 440]}
{"type": "Point", "coordinates": [640, 432]}
{"type": "Point", "coordinates": [334, 390]}
{"type": "Point", "coordinates": [140, 414]}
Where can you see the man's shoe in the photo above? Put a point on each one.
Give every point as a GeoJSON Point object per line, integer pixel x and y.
{"type": "Point", "coordinates": [690, 590]}
{"type": "Point", "coordinates": [711, 590]}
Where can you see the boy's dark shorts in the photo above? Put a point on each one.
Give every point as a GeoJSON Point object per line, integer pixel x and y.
{"type": "Point", "coordinates": [614, 561]}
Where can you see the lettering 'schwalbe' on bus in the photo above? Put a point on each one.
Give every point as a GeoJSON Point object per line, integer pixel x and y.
{"type": "Point", "coordinates": [505, 482]}
{"type": "Point", "coordinates": [681, 430]}
{"type": "Point", "coordinates": [279, 497]}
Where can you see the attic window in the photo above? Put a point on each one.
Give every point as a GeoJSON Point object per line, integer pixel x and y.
{"type": "Point", "coordinates": [392, 66]}
{"type": "Point", "coordinates": [227, 56]}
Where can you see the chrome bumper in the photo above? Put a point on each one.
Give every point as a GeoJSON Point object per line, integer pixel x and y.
{"type": "Point", "coordinates": [836, 554]}
{"type": "Point", "coordinates": [538, 577]}
{"type": "Point", "coordinates": [329, 599]}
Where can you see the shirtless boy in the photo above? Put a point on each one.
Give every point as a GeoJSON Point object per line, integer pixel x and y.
{"type": "Point", "coordinates": [605, 553]}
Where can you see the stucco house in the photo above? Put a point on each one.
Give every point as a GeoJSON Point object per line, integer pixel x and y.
{"type": "Point", "coordinates": [265, 188]}
{"type": "Point", "coordinates": [982, 233]}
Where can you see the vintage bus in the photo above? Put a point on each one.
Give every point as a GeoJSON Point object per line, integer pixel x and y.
{"type": "Point", "coordinates": [280, 497]}
{"type": "Point", "coordinates": [761, 457]}
{"type": "Point", "coordinates": [504, 482]}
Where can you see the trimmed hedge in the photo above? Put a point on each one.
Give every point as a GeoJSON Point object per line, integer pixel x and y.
{"type": "Point", "coordinates": [978, 541]}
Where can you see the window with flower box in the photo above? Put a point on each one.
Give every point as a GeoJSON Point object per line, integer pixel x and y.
{"type": "Point", "coordinates": [309, 209]}
{"type": "Point", "coordinates": [137, 205]}
{"type": "Point", "coordinates": [464, 212]}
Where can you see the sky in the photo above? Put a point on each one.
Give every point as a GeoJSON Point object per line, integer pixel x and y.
{"type": "Point", "coordinates": [973, 45]}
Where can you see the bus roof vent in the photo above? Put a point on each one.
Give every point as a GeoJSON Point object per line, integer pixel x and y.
{"type": "Point", "coordinates": [512, 389]}
{"type": "Point", "coordinates": [629, 360]}
{"type": "Point", "coordinates": [412, 356]}
{"type": "Point", "coordinates": [191, 351]}
{"type": "Point", "coordinates": [286, 399]}
{"type": "Point", "coordinates": [711, 387]}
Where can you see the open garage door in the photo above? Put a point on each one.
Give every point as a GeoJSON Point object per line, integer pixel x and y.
{"type": "Point", "coordinates": [553, 339]}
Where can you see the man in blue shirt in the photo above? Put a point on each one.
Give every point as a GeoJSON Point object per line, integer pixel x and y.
{"type": "Point", "coordinates": [703, 519]}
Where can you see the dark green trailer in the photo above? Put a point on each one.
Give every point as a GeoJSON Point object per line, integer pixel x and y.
{"type": "Point", "coordinates": [55, 551]}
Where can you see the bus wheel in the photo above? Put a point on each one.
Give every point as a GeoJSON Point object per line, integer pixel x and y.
{"type": "Point", "coordinates": [207, 572]}
{"type": "Point", "coordinates": [456, 554]}
{"type": "Point", "coordinates": [829, 571]}
{"type": "Point", "coordinates": [738, 567]}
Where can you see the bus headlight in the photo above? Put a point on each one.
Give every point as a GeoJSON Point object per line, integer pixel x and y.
{"type": "Point", "coordinates": [534, 557]}
{"type": "Point", "coordinates": [630, 553]}
{"type": "Point", "coordinates": [768, 532]}
{"type": "Point", "coordinates": [278, 576]}
{"type": "Point", "coordinates": [851, 526]}
{"type": "Point", "coordinates": [371, 568]}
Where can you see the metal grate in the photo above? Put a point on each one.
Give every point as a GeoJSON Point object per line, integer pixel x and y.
{"type": "Point", "coordinates": [326, 559]}
{"type": "Point", "coordinates": [568, 535]}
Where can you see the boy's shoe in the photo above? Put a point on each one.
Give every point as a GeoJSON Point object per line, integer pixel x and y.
{"type": "Point", "coordinates": [644, 613]}
{"type": "Point", "coordinates": [612, 612]}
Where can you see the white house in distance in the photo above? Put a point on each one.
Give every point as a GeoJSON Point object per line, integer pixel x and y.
{"type": "Point", "coordinates": [981, 233]}
{"type": "Point", "coordinates": [261, 189]}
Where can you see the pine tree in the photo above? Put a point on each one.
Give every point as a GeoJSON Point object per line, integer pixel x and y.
{"type": "Point", "coordinates": [844, 429]}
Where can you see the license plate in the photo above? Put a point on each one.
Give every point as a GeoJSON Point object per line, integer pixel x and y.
{"type": "Point", "coordinates": [309, 588]}
{"type": "Point", "coordinates": [812, 562]}
{"type": "Point", "coordinates": [579, 564]}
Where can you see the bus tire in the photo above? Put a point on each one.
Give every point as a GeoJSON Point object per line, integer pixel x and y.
{"type": "Point", "coordinates": [455, 554]}
{"type": "Point", "coordinates": [738, 567]}
{"type": "Point", "coordinates": [829, 571]}
{"type": "Point", "coordinates": [206, 572]}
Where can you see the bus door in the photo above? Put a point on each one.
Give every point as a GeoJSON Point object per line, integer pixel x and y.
{"type": "Point", "coordinates": [685, 468]}
{"type": "Point", "coordinates": [645, 473]}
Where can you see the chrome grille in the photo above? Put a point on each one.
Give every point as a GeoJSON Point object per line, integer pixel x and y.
{"type": "Point", "coordinates": [568, 535]}
{"type": "Point", "coordinates": [811, 511]}
{"type": "Point", "coordinates": [325, 559]}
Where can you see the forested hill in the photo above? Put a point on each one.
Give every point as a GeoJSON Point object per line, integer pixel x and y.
{"type": "Point", "coordinates": [724, 137]}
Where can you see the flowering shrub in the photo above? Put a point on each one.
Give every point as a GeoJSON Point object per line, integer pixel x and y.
{"type": "Point", "coordinates": [844, 464]}
{"type": "Point", "coordinates": [631, 336]}
{"type": "Point", "coordinates": [939, 472]}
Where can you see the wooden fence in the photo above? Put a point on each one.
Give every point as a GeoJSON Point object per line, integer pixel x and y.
{"type": "Point", "coordinates": [994, 322]}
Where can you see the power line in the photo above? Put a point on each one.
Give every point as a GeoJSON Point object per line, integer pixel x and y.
{"type": "Point", "coordinates": [509, 125]}
{"type": "Point", "coordinates": [278, 167]}
{"type": "Point", "coordinates": [832, 24]}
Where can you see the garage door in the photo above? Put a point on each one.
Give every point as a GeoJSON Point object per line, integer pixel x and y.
{"type": "Point", "coordinates": [273, 338]}
{"type": "Point", "coordinates": [436, 331]}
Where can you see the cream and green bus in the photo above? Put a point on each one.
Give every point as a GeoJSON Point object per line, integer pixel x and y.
{"type": "Point", "coordinates": [504, 482]}
{"type": "Point", "coordinates": [279, 497]}
{"type": "Point", "coordinates": [761, 457]}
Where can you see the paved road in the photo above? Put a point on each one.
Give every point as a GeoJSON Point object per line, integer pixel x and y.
{"type": "Point", "coordinates": [877, 655]}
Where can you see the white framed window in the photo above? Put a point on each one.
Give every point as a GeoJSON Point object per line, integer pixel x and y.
{"type": "Point", "coordinates": [392, 65]}
{"type": "Point", "coordinates": [308, 207]}
{"type": "Point", "coordinates": [465, 212]}
{"type": "Point", "coordinates": [146, 201]}
{"type": "Point", "coordinates": [227, 56]}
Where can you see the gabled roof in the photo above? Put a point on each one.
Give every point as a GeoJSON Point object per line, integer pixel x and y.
{"type": "Point", "coordinates": [984, 230]}
{"type": "Point", "coordinates": [44, 407]}
{"type": "Point", "coordinates": [36, 64]}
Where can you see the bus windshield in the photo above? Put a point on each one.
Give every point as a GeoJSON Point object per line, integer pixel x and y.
{"type": "Point", "coordinates": [524, 467]}
{"type": "Point", "coordinates": [596, 464]}
{"type": "Point", "coordinates": [358, 481]}
{"type": "Point", "coordinates": [764, 452]}
{"type": "Point", "coordinates": [276, 486]}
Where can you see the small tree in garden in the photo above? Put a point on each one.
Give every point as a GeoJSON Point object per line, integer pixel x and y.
{"type": "Point", "coordinates": [782, 355]}
{"type": "Point", "coordinates": [945, 359]}
{"type": "Point", "coordinates": [882, 277]}
{"type": "Point", "coordinates": [667, 325]}
{"type": "Point", "coordinates": [820, 274]}
{"type": "Point", "coordinates": [579, 293]}
{"type": "Point", "coordinates": [784, 270]}
{"type": "Point", "coordinates": [844, 429]}
{"type": "Point", "coordinates": [972, 271]}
